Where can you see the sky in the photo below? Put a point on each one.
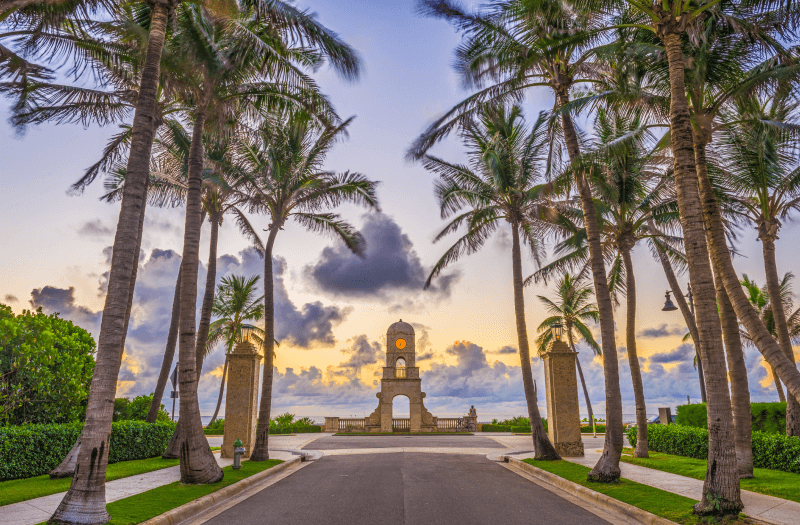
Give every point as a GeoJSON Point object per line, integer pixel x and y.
{"type": "Point", "coordinates": [333, 309]}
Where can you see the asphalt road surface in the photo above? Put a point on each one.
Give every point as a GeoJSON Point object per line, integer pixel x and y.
{"type": "Point", "coordinates": [344, 442]}
{"type": "Point", "coordinates": [405, 488]}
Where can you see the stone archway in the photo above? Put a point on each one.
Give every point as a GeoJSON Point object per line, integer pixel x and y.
{"type": "Point", "coordinates": [401, 377]}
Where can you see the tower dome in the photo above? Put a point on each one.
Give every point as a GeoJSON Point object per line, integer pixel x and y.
{"type": "Point", "coordinates": [400, 328]}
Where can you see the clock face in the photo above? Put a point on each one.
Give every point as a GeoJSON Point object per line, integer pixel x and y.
{"type": "Point", "coordinates": [400, 343]}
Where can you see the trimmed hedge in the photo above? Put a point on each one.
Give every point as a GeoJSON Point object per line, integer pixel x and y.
{"type": "Point", "coordinates": [771, 451]}
{"type": "Point", "coordinates": [486, 427]}
{"type": "Point", "coordinates": [33, 450]}
{"type": "Point", "coordinates": [767, 417]}
{"type": "Point", "coordinates": [219, 430]}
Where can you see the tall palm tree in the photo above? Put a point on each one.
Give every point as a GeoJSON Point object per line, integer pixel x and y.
{"type": "Point", "coordinates": [286, 181]}
{"type": "Point", "coordinates": [509, 47]}
{"type": "Point", "coordinates": [572, 309]}
{"type": "Point", "coordinates": [631, 193]}
{"type": "Point", "coordinates": [500, 184]}
{"type": "Point", "coordinates": [235, 303]}
{"type": "Point", "coordinates": [761, 167]}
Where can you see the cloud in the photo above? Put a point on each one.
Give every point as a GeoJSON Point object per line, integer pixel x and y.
{"type": "Point", "coordinates": [507, 350]}
{"type": "Point", "coordinates": [62, 301]}
{"type": "Point", "coordinates": [95, 228]}
{"type": "Point", "coordinates": [684, 352]}
{"type": "Point", "coordinates": [390, 263]}
{"type": "Point", "coordinates": [11, 298]}
{"type": "Point", "coordinates": [424, 357]}
{"type": "Point", "coordinates": [662, 331]}
{"type": "Point", "coordinates": [307, 326]}
{"type": "Point", "coordinates": [360, 354]}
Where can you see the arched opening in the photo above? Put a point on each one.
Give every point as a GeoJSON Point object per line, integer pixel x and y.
{"type": "Point", "coordinates": [400, 368]}
{"type": "Point", "coordinates": [401, 414]}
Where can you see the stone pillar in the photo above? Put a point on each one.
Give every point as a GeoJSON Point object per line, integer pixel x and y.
{"type": "Point", "coordinates": [563, 417]}
{"type": "Point", "coordinates": [241, 401]}
{"type": "Point", "coordinates": [331, 424]}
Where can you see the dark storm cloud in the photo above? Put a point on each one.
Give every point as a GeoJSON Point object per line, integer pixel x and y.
{"type": "Point", "coordinates": [95, 228]}
{"type": "Point", "coordinates": [682, 353]}
{"type": "Point", "coordinates": [662, 331]}
{"type": "Point", "coordinates": [424, 357]}
{"type": "Point", "coordinates": [507, 350]}
{"type": "Point", "coordinates": [389, 263]}
{"type": "Point", "coordinates": [11, 298]}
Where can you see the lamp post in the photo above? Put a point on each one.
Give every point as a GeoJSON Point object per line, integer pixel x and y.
{"type": "Point", "coordinates": [246, 331]}
{"type": "Point", "coordinates": [558, 330]}
{"type": "Point", "coordinates": [670, 307]}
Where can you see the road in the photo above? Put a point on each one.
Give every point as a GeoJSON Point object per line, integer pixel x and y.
{"type": "Point", "coordinates": [404, 488]}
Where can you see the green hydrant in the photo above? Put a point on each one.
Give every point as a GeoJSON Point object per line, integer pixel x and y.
{"type": "Point", "coordinates": [238, 450]}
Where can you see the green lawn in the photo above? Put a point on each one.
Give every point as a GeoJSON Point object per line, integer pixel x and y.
{"type": "Point", "coordinates": [142, 507]}
{"type": "Point", "coordinates": [16, 490]}
{"type": "Point", "coordinates": [656, 501]}
{"type": "Point", "coordinates": [771, 482]}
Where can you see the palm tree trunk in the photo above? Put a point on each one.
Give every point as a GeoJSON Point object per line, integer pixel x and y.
{"type": "Point", "coordinates": [778, 387]}
{"type": "Point", "coordinates": [261, 449]}
{"type": "Point", "coordinates": [169, 354]}
{"type": "Point", "coordinates": [641, 450]}
{"type": "Point", "coordinates": [607, 468]}
{"type": "Point", "coordinates": [197, 464]}
{"type": "Point", "coordinates": [542, 446]}
{"type": "Point", "coordinates": [580, 374]}
{"type": "Point", "coordinates": [747, 314]}
{"type": "Point", "coordinates": [67, 466]}
{"type": "Point", "coordinates": [208, 297]}
{"type": "Point", "coordinates": [721, 493]}
{"type": "Point", "coordinates": [781, 326]}
{"type": "Point", "coordinates": [221, 392]}
{"type": "Point", "coordinates": [688, 316]}
{"type": "Point", "coordinates": [85, 502]}
{"type": "Point", "coordinates": [740, 390]}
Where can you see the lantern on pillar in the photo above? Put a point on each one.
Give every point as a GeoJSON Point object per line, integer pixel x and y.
{"type": "Point", "coordinates": [246, 332]}
{"type": "Point", "coordinates": [558, 330]}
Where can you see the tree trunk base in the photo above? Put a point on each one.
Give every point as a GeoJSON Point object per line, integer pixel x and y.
{"type": "Point", "coordinates": [545, 451]}
{"type": "Point", "coordinates": [606, 471]}
{"type": "Point", "coordinates": [67, 467]}
{"type": "Point", "coordinates": [716, 507]}
{"type": "Point", "coordinates": [174, 447]}
{"type": "Point", "coordinates": [198, 464]}
{"type": "Point", "coordinates": [640, 453]}
{"type": "Point", "coordinates": [81, 508]}
{"type": "Point", "coordinates": [261, 448]}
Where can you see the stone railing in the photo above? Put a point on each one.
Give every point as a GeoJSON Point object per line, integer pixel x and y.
{"type": "Point", "coordinates": [449, 424]}
{"type": "Point", "coordinates": [352, 425]}
{"type": "Point", "coordinates": [402, 424]}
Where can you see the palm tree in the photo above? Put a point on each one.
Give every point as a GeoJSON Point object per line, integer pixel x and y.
{"type": "Point", "coordinates": [513, 46]}
{"type": "Point", "coordinates": [235, 303]}
{"type": "Point", "coordinates": [286, 181]}
{"type": "Point", "coordinates": [499, 185]}
{"type": "Point", "coordinates": [630, 195]}
{"type": "Point", "coordinates": [760, 299]}
{"type": "Point", "coordinates": [572, 309]}
{"type": "Point", "coordinates": [761, 167]}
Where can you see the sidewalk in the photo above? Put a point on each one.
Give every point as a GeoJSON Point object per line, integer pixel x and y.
{"type": "Point", "coordinates": [40, 509]}
{"type": "Point", "coordinates": [759, 506]}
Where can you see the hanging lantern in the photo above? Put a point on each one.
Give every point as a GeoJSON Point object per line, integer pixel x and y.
{"type": "Point", "coordinates": [668, 306]}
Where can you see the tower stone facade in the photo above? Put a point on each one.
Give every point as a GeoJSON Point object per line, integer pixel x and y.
{"type": "Point", "coordinates": [241, 401]}
{"type": "Point", "coordinates": [401, 377]}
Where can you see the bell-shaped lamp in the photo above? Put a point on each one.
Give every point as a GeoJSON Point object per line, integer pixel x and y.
{"type": "Point", "coordinates": [668, 306]}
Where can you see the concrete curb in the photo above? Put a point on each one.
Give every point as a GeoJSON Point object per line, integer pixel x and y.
{"type": "Point", "coordinates": [209, 501]}
{"type": "Point", "coordinates": [590, 496]}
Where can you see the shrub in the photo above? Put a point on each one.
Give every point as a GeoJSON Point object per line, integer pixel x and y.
{"type": "Point", "coordinates": [770, 451]}
{"type": "Point", "coordinates": [767, 417]}
{"type": "Point", "coordinates": [486, 427]}
{"type": "Point", "coordinates": [33, 450]}
{"type": "Point", "coordinates": [46, 365]}
{"type": "Point", "coordinates": [136, 409]}
{"type": "Point", "coordinates": [306, 428]}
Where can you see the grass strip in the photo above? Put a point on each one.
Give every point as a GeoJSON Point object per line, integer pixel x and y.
{"type": "Point", "coordinates": [776, 483]}
{"type": "Point", "coordinates": [671, 506]}
{"type": "Point", "coordinates": [141, 507]}
{"type": "Point", "coordinates": [404, 434]}
{"type": "Point", "coordinates": [16, 490]}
